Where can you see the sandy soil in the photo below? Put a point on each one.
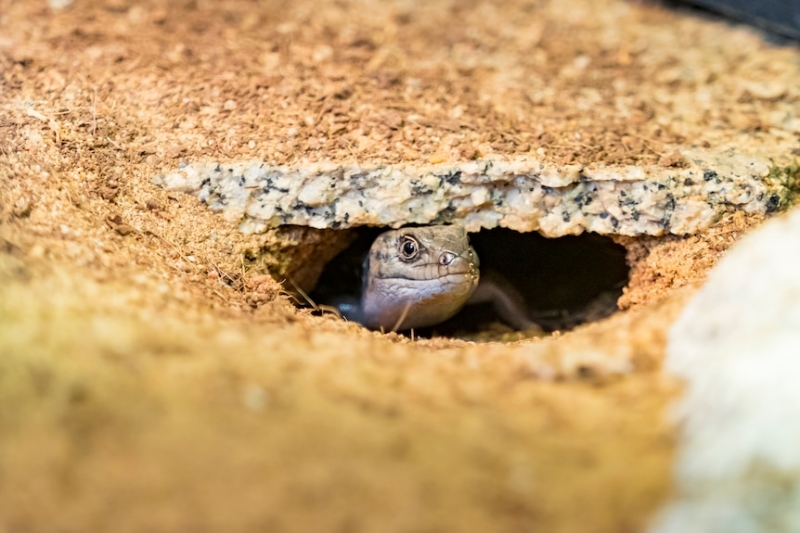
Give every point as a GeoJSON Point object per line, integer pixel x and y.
{"type": "Point", "coordinates": [154, 377]}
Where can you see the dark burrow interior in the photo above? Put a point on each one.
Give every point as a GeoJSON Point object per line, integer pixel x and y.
{"type": "Point", "coordinates": [564, 282]}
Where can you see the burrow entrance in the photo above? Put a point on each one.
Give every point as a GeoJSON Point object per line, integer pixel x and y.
{"type": "Point", "coordinates": [564, 282]}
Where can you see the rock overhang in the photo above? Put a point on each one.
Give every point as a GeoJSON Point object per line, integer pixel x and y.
{"type": "Point", "coordinates": [522, 194]}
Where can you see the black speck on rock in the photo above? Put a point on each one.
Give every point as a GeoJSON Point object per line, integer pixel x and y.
{"type": "Point", "coordinates": [453, 178]}
{"type": "Point", "coordinates": [773, 203]}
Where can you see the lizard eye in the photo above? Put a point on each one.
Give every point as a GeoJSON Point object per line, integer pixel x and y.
{"type": "Point", "coordinates": [409, 247]}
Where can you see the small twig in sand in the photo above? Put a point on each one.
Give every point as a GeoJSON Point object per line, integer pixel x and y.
{"type": "Point", "coordinates": [320, 308]}
{"type": "Point", "coordinates": [94, 112]}
{"type": "Point", "coordinates": [52, 124]}
{"type": "Point", "coordinates": [305, 296]}
{"type": "Point", "coordinates": [402, 317]}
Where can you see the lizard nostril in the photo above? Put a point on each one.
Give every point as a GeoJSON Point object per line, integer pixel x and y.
{"type": "Point", "coordinates": [446, 258]}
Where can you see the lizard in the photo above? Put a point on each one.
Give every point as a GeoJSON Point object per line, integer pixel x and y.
{"type": "Point", "coordinates": [419, 277]}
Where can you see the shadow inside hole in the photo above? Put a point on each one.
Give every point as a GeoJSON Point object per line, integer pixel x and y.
{"type": "Point", "coordinates": [341, 277]}
{"type": "Point", "coordinates": [564, 282]}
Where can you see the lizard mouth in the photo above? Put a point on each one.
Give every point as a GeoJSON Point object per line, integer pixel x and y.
{"type": "Point", "coordinates": [459, 269]}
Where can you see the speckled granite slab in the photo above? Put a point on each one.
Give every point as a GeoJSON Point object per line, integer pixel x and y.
{"type": "Point", "coordinates": [521, 194]}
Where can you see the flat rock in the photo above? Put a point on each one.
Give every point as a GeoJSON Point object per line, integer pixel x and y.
{"type": "Point", "coordinates": [520, 193]}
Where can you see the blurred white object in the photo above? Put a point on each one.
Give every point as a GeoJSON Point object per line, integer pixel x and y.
{"type": "Point", "coordinates": [58, 4]}
{"type": "Point", "coordinates": [737, 345]}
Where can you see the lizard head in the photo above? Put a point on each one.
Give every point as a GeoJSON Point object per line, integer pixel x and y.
{"type": "Point", "coordinates": [417, 277]}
